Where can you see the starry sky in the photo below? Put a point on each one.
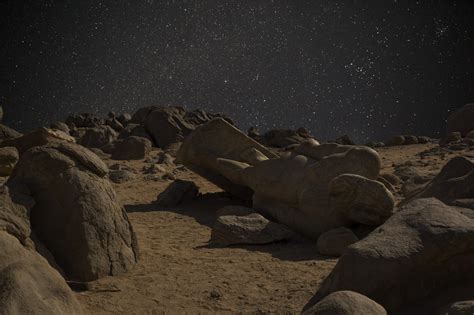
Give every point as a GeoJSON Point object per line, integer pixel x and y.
{"type": "Point", "coordinates": [369, 69]}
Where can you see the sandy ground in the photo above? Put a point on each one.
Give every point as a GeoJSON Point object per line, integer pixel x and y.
{"type": "Point", "coordinates": [179, 273]}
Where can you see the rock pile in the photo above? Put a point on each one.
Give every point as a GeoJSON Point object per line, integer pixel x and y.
{"type": "Point", "coordinates": [294, 189]}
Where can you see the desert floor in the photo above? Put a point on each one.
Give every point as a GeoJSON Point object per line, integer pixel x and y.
{"type": "Point", "coordinates": [179, 273]}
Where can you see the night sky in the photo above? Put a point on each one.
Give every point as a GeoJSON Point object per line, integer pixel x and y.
{"type": "Point", "coordinates": [370, 69]}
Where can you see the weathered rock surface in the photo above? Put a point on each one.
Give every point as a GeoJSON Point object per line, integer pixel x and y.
{"type": "Point", "coordinates": [281, 138]}
{"type": "Point", "coordinates": [8, 158]}
{"type": "Point", "coordinates": [75, 204]}
{"type": "Point", "coordinates": [461, 120]}
{"type": "Point", "coordinates": [60, 126]}
{"type": "Point", "coordinates": [37, 138]}
{"type": "Point", "coordinates": [458, 308]}
{"type": "Point", "coordinates": [121, 176]}
{"type": "Point", "coordinates": [84, 120]}
{"type": "Point", "coordinates": [346, 303]}
{"type": "Point", "coordinates": [335, 242]}
{"type": "Point", "coordinates": [177, 192]}
{"type": "Point", "coordinates": [360, 199]}
{"type": "Point", "coordinates": [246, 228]}
{"type": "Point", "coordinates": [134, 130]}
{"type": "Point", "coordinates": [424, 247]}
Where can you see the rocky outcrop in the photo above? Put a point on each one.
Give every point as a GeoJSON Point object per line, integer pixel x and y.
{"type": "Point", "coordinates": [84, 120]}
{"type": "Point", "coordinates": [75, 204]}
{"type": "Point", "coordinates": [346, 303]}
{"type": "Point", "coordinates": [425, 247]}
{"type": "Point", "coordinates": [462, 120]}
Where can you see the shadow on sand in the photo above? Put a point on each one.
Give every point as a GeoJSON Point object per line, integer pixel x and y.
{"type": "Point", "coordinates": [203, 210]}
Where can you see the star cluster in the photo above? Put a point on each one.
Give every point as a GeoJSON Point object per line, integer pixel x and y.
{"type": "Point", "coordinates": [369, 69]}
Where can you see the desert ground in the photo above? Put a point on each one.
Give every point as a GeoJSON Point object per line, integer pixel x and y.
{"type": "Point", "coordinates": [178, 272]}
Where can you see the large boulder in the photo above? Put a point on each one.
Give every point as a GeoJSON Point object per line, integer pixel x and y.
{"type": "Point", "coordinates": [396, 140]}
{"type": "Point", "coordinates": [462, 120]}
{"type": "Point", "coordinates": [28, 284]}
{"type": "Point", "coordinates": [246, 228]}
{"type": "Point", "coordinates": [37, 138]}
{"type": "Point", "coordinates": [8, 133]}
{"type": "Point", "coordinates": [75, 204]}
{"type": "Point", "coordinates": [346, 303]}
{"type": "Point", "coordinates": [360, 199]}
{"type": "Point", "coordinates": [134, 130]}
{"type": "Point", "coordinates": [219, 139]}
{"type": "Point", "coordinates": [425, 247]}
{"type": "Point", "coordinates": [8, 159]}
{"type": "Point", "coordinates": [84, 120]}
{"type": "Point", "coordinates": [61, 126]}
{"type": "Point", "coordinates": [281, 138]}
{"type": "Point", "coordinates": [98, 137]}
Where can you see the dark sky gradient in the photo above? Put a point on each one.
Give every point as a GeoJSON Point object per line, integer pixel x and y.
{"type": "Point", "coordinates": [369, 69]}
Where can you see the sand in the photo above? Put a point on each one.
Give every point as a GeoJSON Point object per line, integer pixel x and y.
{"type": "Point", "coordinates": [179, 273]}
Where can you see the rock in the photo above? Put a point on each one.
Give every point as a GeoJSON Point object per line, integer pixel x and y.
{"type": "Point", "coordinates": [334, 242]}
{"type": "Point", "coordinates": [414, 185]}
{"type": "Point", "coordinates": [406, 172]}
{"type": "Point", "coordinates": [391, 178]}
{"type": "Point", "coordinates": [121, 176]}
{"type": "Point", "coordinates": [218, 139]}
{"type": "Point", "coordinates": [168, 125]}
{"type": "Point", "coordinates": [134, 130]}
{"type": "Point", "coordinates": [8, 133]}
{"type": "Point", "coordinates": [28, 284]}
{"type": "Point", "coordinates": [84, 120]}
{"type": "Point", "coordinates": [60, 126]}
{"type": "Point", "coordinates": [397, 140]}
{"type": "Point", "coordinates": [253, 133]}
{"type": "Point", "coordinates": [165, 158]}
{"type": "Point", "coordinates": [292, 189]}
{"type": "Point", "coordinates": [124, 119]}
{"type": "Point", "coordinates": [425, 247]}
{"type": "Point", "coordinates": [345, 140]}
{"type": "Point", "coordinates": [410, 140]}
{"type": "Point", "coordinates": [234, 210]}
{"type": "Point", "coordinates": [76, 204]}
{"type": "Point", "coordinates": [98, 137]}
{"type": "Point", "coordinates": [360, 199]}
{"type": "Point", "coordinates": [386, 183]}
{"type": "Point", "coordinates": [461, 120]}
{"type": "Point", "coordinates": [455, 181]}
{"type": "Point", "coordinates": [177, 192]}
{"type": "Point", "coordinates": [154, 169]}
{"type": "Point", "coordinates": [458, 308]}
{"type": "Point", "coordinates": [8, 159]}
{"type": "Point", "coordinates": [251, 228]}
{"type": "Point", "coordinates": [37, 138]}
{"type": "Point", "coordinates": [346, 303]}
{"type": "Point", "coordinates": [281, 138]}
{"type": "Point", "coordinates": [114, 124]}
{"type": "Point", "coordinates": [470, 135]}
{"type": "Point", "coordinates": [131, 148]}
{"type": "Point", "coordinates": [450, 138]}
{"type": "Point", "coordinates": [423, 139]}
